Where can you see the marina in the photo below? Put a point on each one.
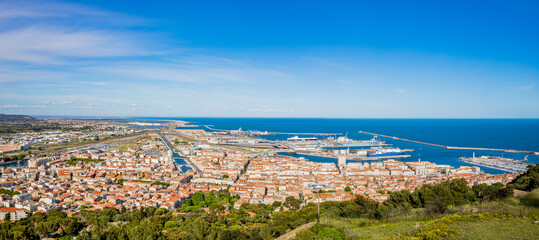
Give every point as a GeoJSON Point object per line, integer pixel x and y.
{"type": "Point", "coordinates": [499, 163]}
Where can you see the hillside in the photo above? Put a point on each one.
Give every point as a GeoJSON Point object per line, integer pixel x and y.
{"type": "Point", "coordinates": [457, 226]}
{"type": "Point", "coordinates": [23, 118]}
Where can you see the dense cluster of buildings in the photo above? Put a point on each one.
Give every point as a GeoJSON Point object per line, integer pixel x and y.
{"type": "Point", "coordinates": [86, 130]}
{"type": "Point", "coordinates": [147, 175]}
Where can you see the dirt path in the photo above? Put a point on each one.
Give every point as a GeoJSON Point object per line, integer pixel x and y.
{"type": "Point", "coordinates": [292, 233]}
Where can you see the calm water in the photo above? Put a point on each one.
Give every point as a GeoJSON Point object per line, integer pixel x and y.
{"type": "Point", "coordinates": [521, 134]}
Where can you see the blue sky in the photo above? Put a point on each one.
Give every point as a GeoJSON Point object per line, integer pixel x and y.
{"type": "Point", "coordinates": [338, 59]}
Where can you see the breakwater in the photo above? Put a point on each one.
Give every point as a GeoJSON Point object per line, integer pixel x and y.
{"type": "Point", "coordinates": [454, 148]}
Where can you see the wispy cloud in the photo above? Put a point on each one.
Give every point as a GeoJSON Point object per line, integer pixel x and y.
{"type": "Point", "coordinates": [271, 110]}
{"type": "Point", "coordinates": [58, 103]}
{"type": "Point", "coordinates": [526, 88]}
{"type": "Point", "coordinates": [52, 45]}
{"type": "Point", "coordinates": [11, 106]}
{"type": "Point", "coordinates": [51, 33]}
{"type": "Point", "coordinates": [189, 73]}
{"type": "Point", "coordinates": [51, 10]}
{"type": "Point", "coordinates": [14, 106]}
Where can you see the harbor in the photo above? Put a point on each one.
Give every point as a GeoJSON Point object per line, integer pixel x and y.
{"type": "Point", "coordinates": [455, 148]}
{"type": "Point", "coordinates": [498, 163]}
{"type": "Point", "coordinates": [334, 139]}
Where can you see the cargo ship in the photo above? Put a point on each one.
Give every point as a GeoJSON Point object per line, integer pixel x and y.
{"type": "Point", "coordinates": [384, 152]}
{"type": "Point", "coordinates": [298, 139]}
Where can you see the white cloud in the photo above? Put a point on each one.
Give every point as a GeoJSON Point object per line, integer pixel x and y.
{"type": "Point", "coordinates": [53, 45]}
{"type": "Point", "coordinates": [11, 106]}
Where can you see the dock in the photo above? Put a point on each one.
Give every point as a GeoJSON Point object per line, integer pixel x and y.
{"type": "Point", "coordinates": [455, 148]}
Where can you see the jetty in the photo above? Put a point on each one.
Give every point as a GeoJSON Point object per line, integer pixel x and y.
{"type": "Point", "coordinates": [455, 148]}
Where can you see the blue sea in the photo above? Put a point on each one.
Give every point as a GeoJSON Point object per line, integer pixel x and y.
{"type": "Point", "coordinates": [519, 134]}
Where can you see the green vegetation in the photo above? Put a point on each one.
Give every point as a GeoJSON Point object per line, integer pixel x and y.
{"type": "Point", "coordinates": [506, 227]}
{"type": "Point", "coordinates": [436, 197]}
{"type": "Point", "coordinates": [85, 207]}
{"type": "Point", "coordinates": [13, 158]}
{"type": "Point", "coordinates": [161, 183]}
{"type": "Point", "coordinates": [121, 181]}
{"type": "Point", "coordinates": [8, 192]}
{"type": "Point", "coordinates": [74, 161]}
{"type": "Point", "coordinates": [321, 231]}
{"type": "Point", "coordinates": [449, 210]}
{"type": "Point", "coordinates": [248, 222]}
{"type": "Point", "coordinates": [142, 181]}
{"type": "Point", "coordinates": [527, 181]}
{"type": "Point", "coordinates": [22, 123]}
{"type": "Point", "coordinates": [531, 199]}
{"type": "Point", "coordinates": [207, 199]}
{"type": "Point", "coordinates": [21, 118]}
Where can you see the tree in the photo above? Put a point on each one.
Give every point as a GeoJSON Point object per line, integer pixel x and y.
{"type": "Point", "coordinates": [347, 189]}
{"type": "Point", "coordinates": [71, 226]}
{"type": "Point", "coordinates": [233, 234]}
{"type": "Point", "coordinates": [305, 235]}
{"type": "Point", "coordinates": [171, 224]}
{"type": "Point", "coordinates": [381, 212]}
{"type": "Point", "coordinates": [367, 206]}
{"type": "Point", "coordinates": [217, 208]}
{"type": "Point", "coordinates": [198, 229]}
{"type": "Point", "coordinates": [528, 180]}
{"type": "Point", "coordinates": [399, 199]}
{"type": "Point", "coordinates": [531, 199]}
{"type": "Point", "coordinates": [436, 206]}
{"type": "Point", "coordinates": [292, 202]}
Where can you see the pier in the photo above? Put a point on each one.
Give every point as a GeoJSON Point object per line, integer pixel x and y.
{"type": "Point", "coordinates": [455, 148]}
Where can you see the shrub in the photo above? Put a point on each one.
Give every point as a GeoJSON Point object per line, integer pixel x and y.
{"type": "Point", "coordinates": [531, 199]}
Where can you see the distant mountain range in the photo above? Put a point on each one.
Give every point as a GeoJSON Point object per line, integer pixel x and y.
{"type": "Point", "coordinates": [25, 118]}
